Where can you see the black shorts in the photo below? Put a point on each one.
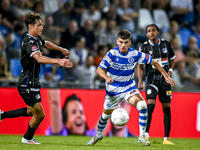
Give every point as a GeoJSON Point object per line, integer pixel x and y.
{"type": "Point", "coordinates": [31, 96]}
{"type": "Point", "coordinates": [164, 92]}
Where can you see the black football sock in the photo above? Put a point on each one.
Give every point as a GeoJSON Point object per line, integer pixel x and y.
{"type": "Point", "coordinates": [29, 133]}
{"type": "Point", "coordinates": [150, 109]}
{"type": "Point", "coordinates": [167, 120]}
{"type": "Point", "coordinates": [15, 113]}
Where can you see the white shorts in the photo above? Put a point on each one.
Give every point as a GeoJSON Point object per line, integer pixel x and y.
{"type": "Point", "coordinates": [113, 102]}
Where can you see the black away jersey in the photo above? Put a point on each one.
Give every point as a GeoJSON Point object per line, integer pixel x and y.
{"type": "Point", "coordinates": [161, 53]}
{"type": "Point", "coordinates": [30, 67]}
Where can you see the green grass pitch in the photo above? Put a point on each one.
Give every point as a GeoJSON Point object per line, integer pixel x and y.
{"type": "Point", "coordinates": [13, 142]}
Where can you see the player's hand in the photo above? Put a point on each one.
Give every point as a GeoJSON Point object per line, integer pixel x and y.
{"type": "Point", "coordinates": [65, 63]}
{"type": "Point", "coordinates": [65, 52]}
{"type": "Point", "coordinates": [140, 85]}
{"type": "Point", "coordinates": [170, 81]}
{"type": "Point", "coordinates": [109, 80]}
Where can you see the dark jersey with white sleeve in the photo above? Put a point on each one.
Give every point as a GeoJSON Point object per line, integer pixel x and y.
{"type": "Point", "coordinates": [161, 53]}
{"type": "Point", "coordinates": [30, 67]}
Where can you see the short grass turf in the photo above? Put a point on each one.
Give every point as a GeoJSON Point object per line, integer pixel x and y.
{"type": "Point", "coordinates": [13, 142]}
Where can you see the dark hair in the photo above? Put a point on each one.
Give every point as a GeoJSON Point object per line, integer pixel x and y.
{"type": "Point", "coordinates": [31, 18]}
{"type": "Point", "coordinates": [18, 27]}
{"type": "Point", "coordinates": [36, 4]}
{"type": "Point", "coordinates": [154, 26]}
{"type": "Point", "coordinates": [124, 34]}
{"type": "Point", "coordinates": [64, 113]}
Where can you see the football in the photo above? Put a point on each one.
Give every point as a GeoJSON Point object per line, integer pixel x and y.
{"type": "Point", "coordinates": [119, 117]}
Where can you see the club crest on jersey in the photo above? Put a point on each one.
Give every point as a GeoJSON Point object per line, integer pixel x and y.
{"type": "Point", "coordinates": [34, 48]}
{"type": "Point", "coordinates": [131, 60]}
{"type": "Point", "coordinates": [164, 50]}
{"type": "Point", "coordinates": [37, 96]}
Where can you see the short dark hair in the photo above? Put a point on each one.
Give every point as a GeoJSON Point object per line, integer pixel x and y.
{"type": "Point", "coordinates": [154, 26]}
{"type": "Point", "coordinates": [31, 18]}
{"type": "Point", "coordinates": [124, 34]}
{"type": "Point", "coordinates": [64, 113]}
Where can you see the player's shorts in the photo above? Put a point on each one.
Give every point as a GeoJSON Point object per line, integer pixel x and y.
{"type": "Point", "coordinates": [31, 96]}
{"type": "Point", "coordinates": [164, 91]}
{"type": "Point", "coordinates": [112, 102]}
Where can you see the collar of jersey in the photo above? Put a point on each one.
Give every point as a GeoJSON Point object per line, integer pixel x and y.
{"type": "Point", "coordinates": [117, 48]}
{"type": "Point", "coordinates": [32, 36]}
{"type": "Point", "coordinates": [154, 44]}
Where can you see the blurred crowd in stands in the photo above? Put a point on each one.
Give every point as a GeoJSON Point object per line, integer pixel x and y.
{"type": "Point", "coordinates": [88, 29]}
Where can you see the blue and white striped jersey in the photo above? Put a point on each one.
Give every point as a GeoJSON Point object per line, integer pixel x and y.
{"type": "Point", "coordinates": [120, 67]}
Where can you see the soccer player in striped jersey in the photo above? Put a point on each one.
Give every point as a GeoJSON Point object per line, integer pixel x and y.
{"type": "Point", "coordinates": [117, 68]}
{"type": "Point", "coordinates": [163, 53]}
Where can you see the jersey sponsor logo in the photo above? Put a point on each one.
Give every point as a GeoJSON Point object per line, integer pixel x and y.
{"type": "Point", "coordinates": [34, 48]}
{"type": "Point", "coordinates": [162, 62]}
{"type": "Point", "coordinates": [164, 50]}
{"type": "Point", "coordinates": [131, 60]}
{"type": "Point", "coordinates": [37, 96]}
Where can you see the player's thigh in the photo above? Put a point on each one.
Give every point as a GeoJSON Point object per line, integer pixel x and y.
{"type": "Point", "coordinates": [165, 93]}
{"type": "Point", "coordinates": [151, 92]}
{"type": "Point", "coordinates": [38, 109]}
{"type": "Point", "coordinates": [133, 97]}
{"type": "Point", "coordinates": [112, 102]}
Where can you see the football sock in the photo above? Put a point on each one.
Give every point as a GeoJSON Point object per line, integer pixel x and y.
{"type": "Point", "coordinates": [102, 123]}
{"type": "Point", "coordinates": [29, 133]}
{"type": "Point", "coordinates": [167, 120]}
{"type": "Point", "coordinates": [15, 113]}
{"type": "Point", "coordinates": [142, 107]}
{"type": "Point", "coordinates": [150, 109]}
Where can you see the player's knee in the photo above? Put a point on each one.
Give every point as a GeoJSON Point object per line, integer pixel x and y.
{"type": "Point", "coordinates": [141, 105]}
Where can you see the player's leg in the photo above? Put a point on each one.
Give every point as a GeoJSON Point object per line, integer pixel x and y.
{"type": "Point", "coordinates": [165, 98]}
{"type": "Point", "coordinates": [32, 98]}
{"type": "Point", "coordinates": [135, 98]}
{"type": "Point", "coordinates": [16, 113]}
{"type": "Point", "coordinates": [151, 94]}
{"type": "Point", "coordinates": [38, 116]}
{"type": "Point", "coordinates": [110, 104]}
{"type": "Point", "coordinates": [101, 125]}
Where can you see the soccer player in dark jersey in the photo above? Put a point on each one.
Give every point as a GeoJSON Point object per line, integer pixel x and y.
{"type": "Point", "coordinates": [161, 52]}
{"type": "Point", "coordinates": [28, 84]}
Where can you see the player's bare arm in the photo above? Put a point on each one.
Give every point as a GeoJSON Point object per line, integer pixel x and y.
{"type": "Point", "coordinates": [52, 46]}
{"type": "Point", "coordinates": [103, 74]}
{"type": "Point", "coordinates": [140, 75]}
{"type": "Point", "coordinates": [46, 60]}
{"type": "Point", "coordinates": [162, 71]}
{"type": "Point", "coordinates": [172, 64]}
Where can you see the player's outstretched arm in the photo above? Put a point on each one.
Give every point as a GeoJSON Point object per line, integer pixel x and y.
{"type": "Point", "coordinates": [103, 74]}
{"type": "Point", "coordinates": [51, 46]}
{"type": "Point", "coordinates": [46, 60]}
{"type": "Point", "coordinates": [162, 71]}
